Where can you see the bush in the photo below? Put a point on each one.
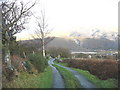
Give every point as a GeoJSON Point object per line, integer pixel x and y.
{"type": "Point", "coordinates": [17, 62]}
{"type": "Point", "coordinates": [8, 74]}
{"type": "Point", "coordinates": [28, 66]}
{"type": "Point", "coordinates": [38, 61]}
{"type": "Point", "coordinates": [103, 69]}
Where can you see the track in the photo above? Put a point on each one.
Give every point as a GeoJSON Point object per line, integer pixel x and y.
{"type": "Point", "coordinates": [58, 81]}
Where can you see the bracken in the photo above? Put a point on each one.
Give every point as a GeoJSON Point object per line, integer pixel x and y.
{"type": "Point", "coordinates": [103, 69]}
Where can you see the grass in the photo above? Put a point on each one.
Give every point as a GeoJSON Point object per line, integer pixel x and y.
{"type": "Point", "coordinates": [63, 64]}
{"type": "Point", "coordinates": [69, 79]}
{"type": "Point", "coordinates": [110, 83]}
{"type": "Point", "coordinates": [25, 80]}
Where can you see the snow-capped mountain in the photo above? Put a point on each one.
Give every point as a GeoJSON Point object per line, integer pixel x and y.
{"type": "Point", "coordinates": [96, 34]}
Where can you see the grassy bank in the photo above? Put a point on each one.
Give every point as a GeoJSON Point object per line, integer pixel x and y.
{"type": "Point", "coordinates": [70, 80]}
{"type": "Point", "coordinates": [110, 83]}
{"type": "Point", "coordinates": [25, 80]}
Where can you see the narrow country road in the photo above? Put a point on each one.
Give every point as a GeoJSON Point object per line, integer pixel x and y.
{"type": "Point", "coordinates": [82, 80]}
{"type": "Point", "coordinates": [58, 81]}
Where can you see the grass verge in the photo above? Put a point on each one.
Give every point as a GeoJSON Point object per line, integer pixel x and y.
{"type": "Point", "coordinates": [69, 79]}
{"type": "Point", "coordinates": [63, 64]}
{"type": "Point", "coordinates": [25, 80]}
{"type": "Point", "coordinates": [110, 83]}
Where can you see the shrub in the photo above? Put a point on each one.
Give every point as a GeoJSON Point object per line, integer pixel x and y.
{"type": "Point", "coordinates": [28, 66]}
{"type": "Point", "coordinates": [38, 61]}
{"type": "Point", "coordinates": [17, 62]}
{"type": "Point", "coordinates": [7, 73]}
{"type": "Point", "coordinates": [103, 69]}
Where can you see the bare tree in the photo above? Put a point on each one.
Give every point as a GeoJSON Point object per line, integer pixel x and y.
{"type": "Point", "coordinates": [13, 19]}
{"type": "Point", "coordinates": [42, 30]}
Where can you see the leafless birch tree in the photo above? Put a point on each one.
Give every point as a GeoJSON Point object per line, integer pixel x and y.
{"type": "Point", "coordinates": [42, 30]}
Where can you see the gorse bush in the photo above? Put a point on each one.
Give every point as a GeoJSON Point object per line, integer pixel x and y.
{"type": "Point", "coordinates": [38, 61]}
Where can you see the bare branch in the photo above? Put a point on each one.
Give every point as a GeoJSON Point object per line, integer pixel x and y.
{"type": "Point", "coordinates": [42, 31]}
{"type": "Point", "coordinates": [14, 17]}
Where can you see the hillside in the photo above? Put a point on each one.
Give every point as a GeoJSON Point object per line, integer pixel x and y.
{"type": "Point", "coordinates": [84, 45]}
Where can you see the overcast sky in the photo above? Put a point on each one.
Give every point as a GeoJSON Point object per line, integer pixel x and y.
{"type": "Point", "coordinates": [66, 16]}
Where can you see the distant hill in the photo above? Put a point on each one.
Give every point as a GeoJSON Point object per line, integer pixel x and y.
{"type": "Point", "coordinates": [85, 44]}
{"type": "Point", "coordinates": [65, 43]}
{"type": "Point", "coordinates": [100, 44]}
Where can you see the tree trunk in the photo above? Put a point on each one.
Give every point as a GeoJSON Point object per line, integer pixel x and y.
{"type": "Point", "coordinates": [43, 47]}
{"type": "Point", "coordinates": [24, 54]}
{"type": "Point", "coordinates": [7, 58]}
{"type": "Point", "coordinates": [33, 52]}
{"type": "Point", "coordinates": [7, 55]}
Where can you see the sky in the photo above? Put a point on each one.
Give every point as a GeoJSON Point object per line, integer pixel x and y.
{"type": "Point", "coordinates": [66, 16]}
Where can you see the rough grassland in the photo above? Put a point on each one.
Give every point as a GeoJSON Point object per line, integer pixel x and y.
{"type": "Point", "coordinates": [25, 80]}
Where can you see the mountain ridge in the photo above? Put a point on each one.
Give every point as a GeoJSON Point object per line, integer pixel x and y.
{"type": "Point", "coordinates": [85, 44]}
